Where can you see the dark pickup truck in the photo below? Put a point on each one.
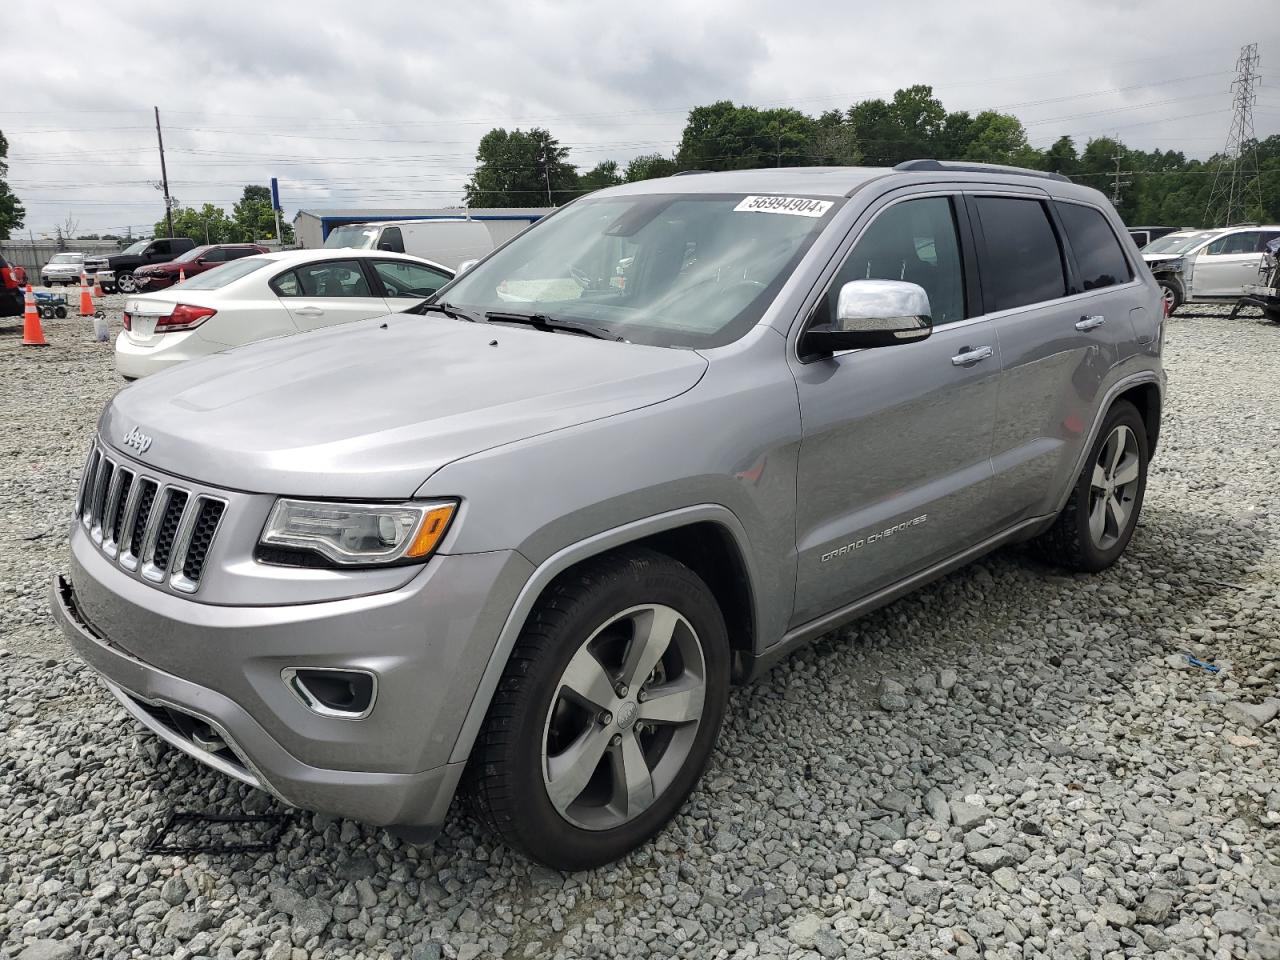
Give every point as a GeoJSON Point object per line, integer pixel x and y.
{"type": "Point", "coordinates": [115, 272]}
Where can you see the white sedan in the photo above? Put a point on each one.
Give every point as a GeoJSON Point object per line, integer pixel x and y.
{"type": "Point", "coordinates": [271, 295]}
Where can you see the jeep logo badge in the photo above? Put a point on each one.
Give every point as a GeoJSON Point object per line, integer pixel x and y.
{"type": "Point", "coordinates": [138, 440]}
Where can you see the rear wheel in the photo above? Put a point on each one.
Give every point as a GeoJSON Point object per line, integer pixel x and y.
{"type": "Point", "coordinates": [1098, 521]}
{"type": "Point", "coordinates": [607, 713]}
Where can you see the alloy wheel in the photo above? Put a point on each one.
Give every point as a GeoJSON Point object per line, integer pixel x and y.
{"type": "Point", "coordinates": [623, 717]}
{"type": "Point", "coordinates": [1113, 487]}
{"type": "Point", "coordinates": [126, 283]}
{"type": "Point", "coordinates": [1170, 299]}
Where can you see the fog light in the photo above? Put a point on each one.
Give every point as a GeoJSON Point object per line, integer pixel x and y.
{"type": "Point", "coordinates": [338, 693]}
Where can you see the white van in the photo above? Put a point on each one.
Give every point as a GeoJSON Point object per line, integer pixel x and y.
{"type": "Point", "coordinates": [447, 241]}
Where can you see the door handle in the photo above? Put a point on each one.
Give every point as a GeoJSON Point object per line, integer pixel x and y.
{"type": "Point", "coordinates": [309, 312]}
{"type": "Point", "coordinates": [1088, 322]}
{"type": "Point", "coordinates": [971, 356]}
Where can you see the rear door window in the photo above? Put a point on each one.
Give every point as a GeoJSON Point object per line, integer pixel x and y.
{"type": "Point", "coordinates": [329, 278]}
{"type": "Point", "coordinates": [1099, 257]}
{"type": "Point", "coordinates": [1244, 242]}
{"type": "Point", "coordinates": [1022, 262]}
{"type": "Point", "coordinates": [216, 255]}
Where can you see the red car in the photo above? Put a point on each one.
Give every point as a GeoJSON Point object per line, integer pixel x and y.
{"type": "Point", "coordinates": [157, 276]}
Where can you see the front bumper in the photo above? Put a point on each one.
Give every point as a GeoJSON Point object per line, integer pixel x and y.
{"type": "Point", "coordinates": [240, 718]}
{"type": "Point", "coordinates": [154, 281]}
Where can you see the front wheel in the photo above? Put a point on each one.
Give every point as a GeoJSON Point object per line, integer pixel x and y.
{"type": "Point", "coordinates": [1098, 521]}
{"type": "Point", "coordinates": [126, 284]}
{"type": "Point", "coordinates": [1171, 294]}
{"type": "Point", "coordinates": [607, 712]}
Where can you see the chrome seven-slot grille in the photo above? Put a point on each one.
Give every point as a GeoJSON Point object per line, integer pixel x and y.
{"type": "Point", "coordinates": [151, 527]}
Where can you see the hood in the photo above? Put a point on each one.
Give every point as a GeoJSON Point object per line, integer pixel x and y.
{"type": "Point", "coordinates": [1159, 257]}
{"type": "Point", "coordinates": [371, 409]}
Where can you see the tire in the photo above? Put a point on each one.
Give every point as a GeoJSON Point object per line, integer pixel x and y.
{"type": "Point", "coordinates": [1272, 314]}
{"type": "Point", "coordinates": [60, 312]}
{"type": "Point", "coordinates": [588, 620]}
{"type": "Point", "coordinates": [1172, 294]}
{"type": "Point", "coordinates": [1076, 540]}
{"type": "Point", "coordinates": [126, 284]}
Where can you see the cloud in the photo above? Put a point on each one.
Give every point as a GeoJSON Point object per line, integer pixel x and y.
{"type": "Point", "coordinates": [382, 104]}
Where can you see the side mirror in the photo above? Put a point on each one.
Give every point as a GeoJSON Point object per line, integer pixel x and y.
{"type": "Point", "coordinates": [466, 265]}
{"type": "Point", "coordinates": [872, 313]}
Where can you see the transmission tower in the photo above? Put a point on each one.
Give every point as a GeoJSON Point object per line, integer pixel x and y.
{"type": "Point", "coordinates": [1236, 183]}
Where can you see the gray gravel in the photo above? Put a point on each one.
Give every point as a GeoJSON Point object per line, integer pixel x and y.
{"type": "Point", "coordinates": [1010, 763]}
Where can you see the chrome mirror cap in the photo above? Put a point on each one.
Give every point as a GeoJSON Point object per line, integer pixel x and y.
{"type": "Point", "coordinates": [893, 309]}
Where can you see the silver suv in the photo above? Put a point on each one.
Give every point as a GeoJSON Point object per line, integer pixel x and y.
{"type": "Point", "coordinates": [523, 537]}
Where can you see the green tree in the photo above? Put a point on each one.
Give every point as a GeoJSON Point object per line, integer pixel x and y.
{"type": "Point", "coordinates": [835, 142]}
{"type": "Point", "coordinates": [648, 166]}
{"type": "Point", "coordinates": [604, 174]}
{"type": "Point", "coordinates": [519, 169]}
{"type": "Point", "coordinates": [12, 213]}
{"type": "Point", "coordinates": [255, 218]}
{"type": "Point", "coordinates": [1062, 157]}
{"type": "Point", "coordinates": [209, 224]}
{"type": "Point", "coordinates": [723, 136]}
{"type": "Point", "coordinates": [999, 138]}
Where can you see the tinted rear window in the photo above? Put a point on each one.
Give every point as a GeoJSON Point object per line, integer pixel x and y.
{"type": "Point", "coordinates": [1097, 251]}
{"type": "Point", "coordinates": [1023, 263]}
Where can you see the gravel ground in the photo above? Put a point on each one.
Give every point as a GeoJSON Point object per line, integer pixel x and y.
{"type": "Point", "coordinates": [1010, 763]}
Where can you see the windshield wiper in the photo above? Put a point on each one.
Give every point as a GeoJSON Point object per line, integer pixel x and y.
{"type": "Point", "coordinates": [448, 309]}
{"type": "Point", "coordinates": [541, 321]}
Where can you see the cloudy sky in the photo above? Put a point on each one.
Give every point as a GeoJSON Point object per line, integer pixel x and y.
{"type": "Point", "coordinates": [381, 104]}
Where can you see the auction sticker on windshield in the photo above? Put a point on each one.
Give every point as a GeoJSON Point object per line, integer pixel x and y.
{"type": "Point", "coordinates": [792, 206]}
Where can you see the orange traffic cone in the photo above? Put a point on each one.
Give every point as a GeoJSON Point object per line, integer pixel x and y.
{"type": "Point", "coordinates": [97, 287]}
{"type": "Point", "coordinates": [86, 299]}
{"type": "Point", "coordinates": [32, 332]}
{"type": "Point", "coordinates": [182, 275]}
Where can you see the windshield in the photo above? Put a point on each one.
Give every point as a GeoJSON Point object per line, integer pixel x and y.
{"type": "Point", "coordinates": [660, 269]}
{"type": "Point", "coordinates": [67, 258]}
{"type": "Point", "coordinates": [359, 236]}
{"type": "Point", "coordinates": [229, 272]}
{"type": "Point", "coordinates": [1178, 242]}
{"type": "Point", "coordinates": [136, 247]}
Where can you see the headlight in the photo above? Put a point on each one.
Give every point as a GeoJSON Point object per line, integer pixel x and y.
{"type": "Point", "coordinates": [1173, 266]}
{"type": "Point", "coordinates": [358, 534]}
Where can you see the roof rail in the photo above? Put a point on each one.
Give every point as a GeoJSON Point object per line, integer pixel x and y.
{"type": "Point", "coordinates": [958, 167]}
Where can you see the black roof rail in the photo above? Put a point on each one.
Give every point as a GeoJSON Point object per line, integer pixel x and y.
{"type": "Point", "coordinates": [953, 166]}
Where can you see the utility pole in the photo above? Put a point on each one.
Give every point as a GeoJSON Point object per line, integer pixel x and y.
{"type": "Point", "coordinates": [164, 175]}
{"type": "Point", "coordinates": [1236, 181]}
{"type": "Point", "coordinates": [546, 171]}
{"type": "Point", "coordinates": [1118, 179]}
